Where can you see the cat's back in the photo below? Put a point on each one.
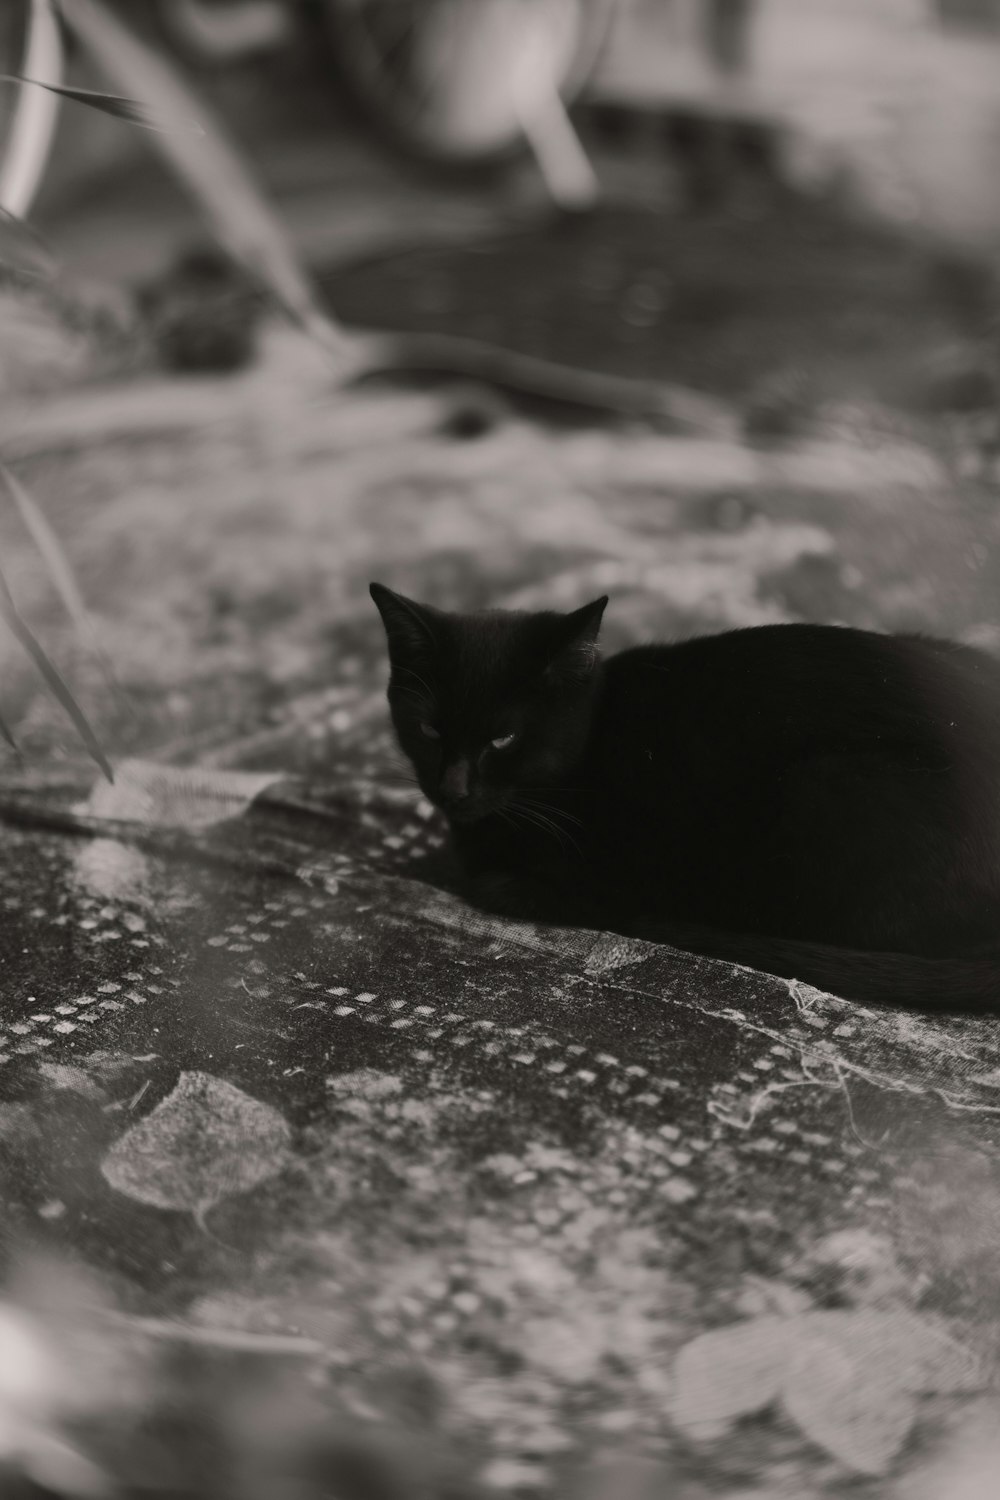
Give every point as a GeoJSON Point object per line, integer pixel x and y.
{"type": "Point", "coordinates": [811, 684]}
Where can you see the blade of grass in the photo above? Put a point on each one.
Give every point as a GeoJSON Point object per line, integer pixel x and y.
{"type": "Point", "coordinates": [19, 628]}
{"type": "Point", "coordinates": [30, 135]}
{"type": "Point", "coordinates": [130, 110]}
{"type": "Point", "coordinates": [59, 570]}
{"type": "Point", "coordinates": [7, 733]}
{"type": "Point", "coordinates": [23, 251]}
{"type": "Point", "coordinates": [208, 166]}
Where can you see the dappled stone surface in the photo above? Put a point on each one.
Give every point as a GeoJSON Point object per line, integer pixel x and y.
{"type": "Point", "coordinates": [534, 1165]}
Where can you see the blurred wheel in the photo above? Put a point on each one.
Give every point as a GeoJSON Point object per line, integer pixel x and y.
{"type": "Point", "coordinates": [449, 80]}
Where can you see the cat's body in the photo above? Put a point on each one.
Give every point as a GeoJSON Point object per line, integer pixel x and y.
{"type": "Point", "coordinates": [817, 802]}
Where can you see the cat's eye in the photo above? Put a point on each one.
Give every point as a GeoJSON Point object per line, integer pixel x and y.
{"type": "Point", "coordinates": [503, 741]}
{"type": "Point", "coordinates": [429, 732]}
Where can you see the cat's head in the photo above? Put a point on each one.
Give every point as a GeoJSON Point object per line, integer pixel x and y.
{"type": "Point", "coordinates": [488, 706]}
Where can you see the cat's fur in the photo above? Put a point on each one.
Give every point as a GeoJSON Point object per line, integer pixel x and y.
{"type": "Point", "coordinates": [817, 802]}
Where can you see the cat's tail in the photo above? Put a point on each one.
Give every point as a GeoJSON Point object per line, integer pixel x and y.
{"type": "Point", "coordinates": [970, 983]}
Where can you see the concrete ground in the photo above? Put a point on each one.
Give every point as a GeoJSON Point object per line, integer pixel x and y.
{"type": "Point", "coordinates": [534, 1211]}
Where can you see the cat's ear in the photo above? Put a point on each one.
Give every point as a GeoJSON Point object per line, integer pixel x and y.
{"type": "Point", "coordinates": [574, 642]}
{"type": "Point", "coordinates": [411, 628]}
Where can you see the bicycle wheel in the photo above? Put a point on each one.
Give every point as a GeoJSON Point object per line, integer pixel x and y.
{"type": "Point", "coordinates": [447, 80]}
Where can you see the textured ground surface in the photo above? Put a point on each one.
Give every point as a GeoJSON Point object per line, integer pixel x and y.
{"type": "Point", "coordinates": [267, 1079]}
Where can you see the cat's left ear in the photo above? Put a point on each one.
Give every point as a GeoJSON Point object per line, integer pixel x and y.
{"type": "Point", "coordinates": [575, 653]}
{"type": "Point", "coordinates": [411, 628]}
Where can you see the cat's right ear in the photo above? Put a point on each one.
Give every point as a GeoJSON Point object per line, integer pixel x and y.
{"type": "Point", "coordinates": [574, 642]}
{"type": "Point", "coordinates": [411, 628]}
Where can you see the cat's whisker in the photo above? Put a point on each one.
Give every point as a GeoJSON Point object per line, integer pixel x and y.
{"type": "Point", "coordinates": [542, 821]}
{"type": "Point", "coordinates": [400, 770]}
{"type": "Point", "coordinates": [552, 809]}
{"type": "Point", "coordinates": [549, 810]}
{"type": "Point", "coordinates": [518, 817]}
{"type": "Point", "coordinates": [516, 814]}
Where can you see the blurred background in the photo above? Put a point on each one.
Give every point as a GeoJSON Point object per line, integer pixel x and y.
{"type": "Point", "coordinates": [373, 124]}
{"type": "Point", "coordinates": [898, 93]}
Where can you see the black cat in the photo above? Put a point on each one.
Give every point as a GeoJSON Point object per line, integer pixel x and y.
{"type": "Point", "coordinates": [817, 802]}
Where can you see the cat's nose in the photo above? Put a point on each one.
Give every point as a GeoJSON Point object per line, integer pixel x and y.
{"type": "Point", "coordinates": [455, 781]}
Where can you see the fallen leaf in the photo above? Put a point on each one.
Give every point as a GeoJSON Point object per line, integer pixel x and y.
{"type": "Point", "coordinates": [849, 1379]}
{"type": "Point", "coordinates": [922, 1357]}
{"type": "Point", "coordinates": [729, 1373]}
{"type": "Point", "coordinates": [852, 1407]}
{"type": "Point", "coordinates": [206, 1141]}
{"type": "Point", "coordinates": [175, 796]}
